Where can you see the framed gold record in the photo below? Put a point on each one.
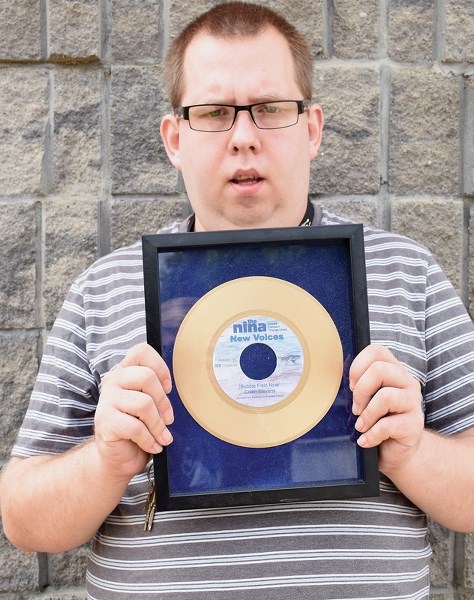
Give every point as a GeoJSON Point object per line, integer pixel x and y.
{"type": "Point", "coordinates": [259, 329]}
{"type": "Point", "coordinates": [296, 336]}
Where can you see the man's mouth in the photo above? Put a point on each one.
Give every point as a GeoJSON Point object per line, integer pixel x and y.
{"type": "Point", "coordinates": [246, 180]}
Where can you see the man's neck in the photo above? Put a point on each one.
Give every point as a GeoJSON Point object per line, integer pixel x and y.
{"type": "Point", "coordinates": [307, 220]}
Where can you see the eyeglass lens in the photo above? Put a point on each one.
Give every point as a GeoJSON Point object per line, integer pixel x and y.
{"type": "Point", "coordinates": [266, 115]}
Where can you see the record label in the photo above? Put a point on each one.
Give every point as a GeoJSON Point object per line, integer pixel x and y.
{"type": "Point", "coordinates": [258, 360]}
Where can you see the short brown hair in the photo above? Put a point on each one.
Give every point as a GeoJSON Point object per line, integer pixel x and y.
{"type": "Point", "coordinates": [233, 19]}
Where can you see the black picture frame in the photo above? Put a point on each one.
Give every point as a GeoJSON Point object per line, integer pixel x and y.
{"type": "Point", "coordinates": [202, 470]}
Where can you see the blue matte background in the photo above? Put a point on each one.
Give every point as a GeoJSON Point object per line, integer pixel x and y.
{"type": "Point", "coordinates": [198, 462]}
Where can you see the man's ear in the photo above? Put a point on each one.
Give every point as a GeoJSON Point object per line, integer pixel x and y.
{"type": "Point", "coordinates": [169, 130]}
{"type": "Point", "coordinates": [315, 129]}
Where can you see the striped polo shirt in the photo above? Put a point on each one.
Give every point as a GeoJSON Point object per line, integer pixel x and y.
{"type": "Point", "coordinates": [360, 549]}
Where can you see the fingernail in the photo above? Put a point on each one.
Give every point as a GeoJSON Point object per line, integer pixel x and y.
{"type": "Point", "coordinates": [362, 441]}
{"type": "Point", "coordinates": [156, 448]}
{"type": "Point", "coordinates": [167, 437]}
{"type": "Point", "coordinates": [168, 416]}
{"type": "Point", "coordinates": [359, 424]}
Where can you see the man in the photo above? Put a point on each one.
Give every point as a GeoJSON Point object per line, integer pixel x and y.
{"type": "Point", "coordinates": [101, 392]}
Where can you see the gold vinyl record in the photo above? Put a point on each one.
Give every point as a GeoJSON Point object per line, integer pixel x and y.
{"type": "Point", "coordinates": [257, 362]}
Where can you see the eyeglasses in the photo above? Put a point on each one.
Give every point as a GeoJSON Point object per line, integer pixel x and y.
{"type": "Point", "coordinates": [265, 115]}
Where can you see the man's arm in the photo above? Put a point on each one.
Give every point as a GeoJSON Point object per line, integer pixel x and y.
{"type": "Point", "coordinates": [55, 503]}
{"type": "Point", "coordinates": [435, 472]}
{"type": "Point", "coordinates": [440, 479]}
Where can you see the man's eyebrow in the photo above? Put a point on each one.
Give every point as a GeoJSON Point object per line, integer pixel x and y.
{"type": "Point", "coordinates": [256, 100]}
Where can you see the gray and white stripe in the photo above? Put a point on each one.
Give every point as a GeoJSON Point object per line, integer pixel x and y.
{"type": "Point", "coordinates": [333, 550]}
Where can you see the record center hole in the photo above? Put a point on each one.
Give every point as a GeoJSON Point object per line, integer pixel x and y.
{"type": "Point", "coordinates": [258, 361]}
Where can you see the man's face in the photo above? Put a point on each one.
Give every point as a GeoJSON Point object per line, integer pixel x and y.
{"type": "Point", "coordinates": [245, 177]}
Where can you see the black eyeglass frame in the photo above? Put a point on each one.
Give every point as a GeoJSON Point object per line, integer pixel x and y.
{"type": "Point", "coordinates": [183, 111]}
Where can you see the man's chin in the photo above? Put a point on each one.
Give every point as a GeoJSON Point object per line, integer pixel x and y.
{"type": "Point", "coordinates": [249, 217]}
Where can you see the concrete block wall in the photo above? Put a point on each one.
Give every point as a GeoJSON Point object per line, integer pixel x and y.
{"type": "Point", "coordinates": [82, 171]}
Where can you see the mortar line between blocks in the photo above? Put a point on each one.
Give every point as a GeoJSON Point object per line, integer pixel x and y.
{"type": "Point", "coordinates": [44, 28]}
{"type": "Point", "coordinates": [104, 217]}
{"type": "Point", "coordinates": [439, 29]}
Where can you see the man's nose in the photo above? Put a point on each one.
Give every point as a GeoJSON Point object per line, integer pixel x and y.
{"type": "Point", "coordinates": [245, 134]}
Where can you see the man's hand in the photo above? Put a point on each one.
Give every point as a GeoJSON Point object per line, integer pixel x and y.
{"type": "Point", "coordinates": [388, 402]}
{"type": "Point", "coordinates": [133, 411]}
{"type": "Point", "coordinates": [130, 424]}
